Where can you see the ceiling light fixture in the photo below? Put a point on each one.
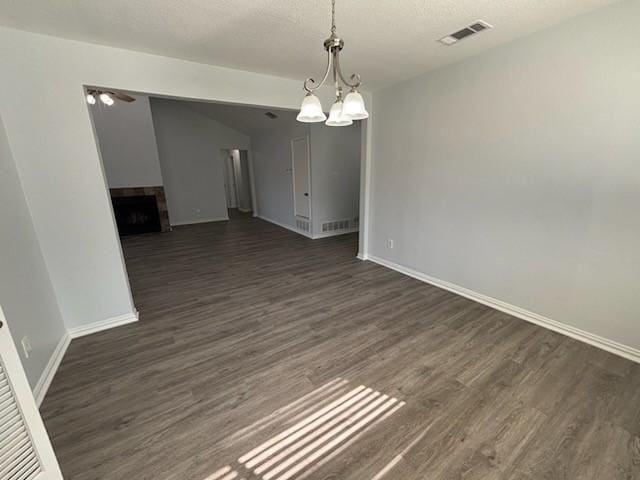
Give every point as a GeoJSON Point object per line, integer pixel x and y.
{"type": "Point", "coordinates": [343, 111]}
{"type": "Point", "coordinates": [106, 99]}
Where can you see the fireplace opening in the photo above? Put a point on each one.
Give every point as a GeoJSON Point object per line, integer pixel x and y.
{"type": "Point", "coordinates": [136, 214]}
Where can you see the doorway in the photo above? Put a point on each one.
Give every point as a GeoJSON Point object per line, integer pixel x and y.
{"type": "Point", "coordinates": [301, 177]}
{"type": "Point", "coordinates": [238, 182]}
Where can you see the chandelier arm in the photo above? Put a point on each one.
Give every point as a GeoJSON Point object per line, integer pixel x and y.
{"type": "Point", "coordinates": [310, 85]}
{"type": "Point", "coordinates": [355, 78]}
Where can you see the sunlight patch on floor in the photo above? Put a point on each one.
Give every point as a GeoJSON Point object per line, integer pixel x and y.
{"type": "Point", "coordinates": [332, 418]}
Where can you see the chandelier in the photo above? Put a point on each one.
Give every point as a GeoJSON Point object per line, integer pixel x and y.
{"type": "Point", "coordinates": [344, 111]}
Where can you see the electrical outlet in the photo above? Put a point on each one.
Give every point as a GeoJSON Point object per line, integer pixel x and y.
{"type": "Point", "coordinates": [390, 243]}
{"type": "Point", "coordinates": [26, 346]}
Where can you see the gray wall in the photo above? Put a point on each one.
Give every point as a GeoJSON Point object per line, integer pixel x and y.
{"type": "Point", "coordinates": [516, 174]}
{"type": "Point", "coordinates": [271, 150]}
{"type": "Point", "coordinates": [26, 293]}
{"type": "Point", "coordinates": [189, 147]}
{"type": "Point", "coordinates": [127, 143]}
{"type": "Point", "coordinates": [335, 173]}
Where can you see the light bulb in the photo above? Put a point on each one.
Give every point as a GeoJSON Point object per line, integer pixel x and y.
{"type": "Point", "coordinates": [91, 100]}
{"type": "Point", "coordinates": [106, 99]}
{"type": "Point", "coordinates": [311, 110]}
{"type": "Point", "coordinates": [336, 118]}
{"type": "Point", "coordinates": [354, 106]}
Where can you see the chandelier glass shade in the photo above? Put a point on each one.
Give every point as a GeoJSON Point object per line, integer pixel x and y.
{"type": "Point", "coordinates": [337, 118]}
{"type": "Point", "coordinates": [345, 110]}
{"type": "Point", "coordinates": [311, 110]}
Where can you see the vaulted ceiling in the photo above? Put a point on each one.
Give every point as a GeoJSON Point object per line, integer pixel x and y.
{"type": "Point", "coordinates": [247, 120]}
{"type": "Point", "coordinates": [386, 41]}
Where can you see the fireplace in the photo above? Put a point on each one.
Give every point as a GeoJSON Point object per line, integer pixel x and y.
{"type": "Point", "coordinates": [137, 214]}
{"type": "Point", "coordinates": [140, 210]}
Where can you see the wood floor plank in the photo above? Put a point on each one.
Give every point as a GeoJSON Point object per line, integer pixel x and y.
{"type": "Point", "coordinates": [239, 319]}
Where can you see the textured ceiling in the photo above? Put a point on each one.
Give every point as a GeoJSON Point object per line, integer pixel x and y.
{"type": "Point", "coordinates": [386, 41]}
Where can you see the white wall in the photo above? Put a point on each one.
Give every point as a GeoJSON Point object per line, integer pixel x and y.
{"type": "Point", "coordinates": [189, 146]}
{"type": "Point", "coordinates": [516, 174]}
{"type": "Point", "coordinates": [271, 150]}
{"type": "Point", "coordinates": [41, 87]}
{"type": "Point", "coordinates": [127, 143]}
{"type": "Point", "coordinates": [26, 293]}
{"type": "Point", "coordinates": [335, 173]}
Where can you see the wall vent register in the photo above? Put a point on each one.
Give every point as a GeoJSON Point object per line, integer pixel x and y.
{"type": "Point", "coordinates": [337, 225]}
{"type": "Point", "coordinates": [19, 459]}
{"type": "Point", "coordinates": [303, 225]}
{"type": "Point", "coordinates": [466, 32]}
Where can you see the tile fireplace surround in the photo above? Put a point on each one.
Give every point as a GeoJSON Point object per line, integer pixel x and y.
{"type": "Point", "coordinates": [157, 192]}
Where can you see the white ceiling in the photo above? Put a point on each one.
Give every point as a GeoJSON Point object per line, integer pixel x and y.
{"type": "Point", "coordinates": [386, 41]}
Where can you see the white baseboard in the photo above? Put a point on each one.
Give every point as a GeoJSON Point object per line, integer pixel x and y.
{"type": "Point", "coordinates": [96, 327]}
{"type": "Point", "coordinates": [44, 382]}
{"type": "Point", "coordinates": [335, 234]}
{"type": "Point", "coordinates": [201, 220]}
{"type": "Point", "coordinates": [307, 234]}
{"type": "Point", "coordinates": [284, 225]}
{"type": "Point", "coordinates": [362, 256]}
{"type": "Point", "coordinates": [573, 332]}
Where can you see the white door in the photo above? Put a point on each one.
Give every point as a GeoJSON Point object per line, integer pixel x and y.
{"type": "Point", "coordinates": [25, 449]}
{"type": "Point", "coordinates": [301, 184]}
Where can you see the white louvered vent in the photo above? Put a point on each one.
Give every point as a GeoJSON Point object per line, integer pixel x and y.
{"type": "Point", "coordinates": [18, 458]}
{"type": "Point", "coordinates": [466, 32]}
{"type": "Point", "coordinates": [303, 224]}
{"type": "Point", "coordinates": [336, 225]}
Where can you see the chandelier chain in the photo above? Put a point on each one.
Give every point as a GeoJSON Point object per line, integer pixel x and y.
{"type": "Point", "coordinates": [333, 17]}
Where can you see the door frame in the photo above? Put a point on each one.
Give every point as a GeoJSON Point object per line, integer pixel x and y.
{"type": "Point", "coordinates": [228, 174]}
{"type": "Point", "coordinates": [224, 153]}
{"type": "Point", "coordinates": [233, 98]}
{"type": "Point", "coordinates": [293, 179]}
{"type": "Point", "coordinates": [18, 387]}
{"type": "Point", "coordinates": [252, 181]}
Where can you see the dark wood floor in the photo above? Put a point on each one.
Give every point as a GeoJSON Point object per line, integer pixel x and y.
{"type": "Point", "coordinates": [249, 334]}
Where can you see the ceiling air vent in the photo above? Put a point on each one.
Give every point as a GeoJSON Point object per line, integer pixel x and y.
{"type": "Point", "coordinates": [271, 115]}
{"type": "Point", "coordinates": [466, 32]}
